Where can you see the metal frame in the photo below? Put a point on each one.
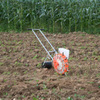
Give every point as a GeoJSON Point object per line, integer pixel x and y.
{"type": "Point", "coordinates": [48, 52]}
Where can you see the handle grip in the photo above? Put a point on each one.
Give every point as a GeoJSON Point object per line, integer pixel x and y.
{"type": "Point", "coordinates": [34, 29]}
{"type": "Point", "coordinates": [41, 29]}
{"type": "Point", "coordinates": [29, 29]}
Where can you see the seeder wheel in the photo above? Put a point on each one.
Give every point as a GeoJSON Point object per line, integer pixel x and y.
{"type": "Point", "coordinates": [60, 63]}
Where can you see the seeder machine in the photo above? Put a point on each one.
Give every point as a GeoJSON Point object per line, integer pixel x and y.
{"type": "Point", "coordinates": [58, 60]}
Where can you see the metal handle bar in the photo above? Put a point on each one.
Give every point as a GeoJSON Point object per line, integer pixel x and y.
{"type": "Point", "coordinates": [34, 29]}
{"type": "Point", "coordinates": [48, 52]}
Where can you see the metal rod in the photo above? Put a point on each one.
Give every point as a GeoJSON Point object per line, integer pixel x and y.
{"type": "Point", "coordinates": [48, 41]}
{"type": "Point", "coordinates": [41, 42]}
{"type": "Point", "coordinates": [34, 29]}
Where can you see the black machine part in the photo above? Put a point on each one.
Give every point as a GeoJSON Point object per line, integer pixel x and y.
{"type": "Point", "coordinates": [47, 64]}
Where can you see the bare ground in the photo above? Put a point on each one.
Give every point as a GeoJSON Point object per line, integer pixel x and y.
{"type": "Point", "coordinates": [21, 75]}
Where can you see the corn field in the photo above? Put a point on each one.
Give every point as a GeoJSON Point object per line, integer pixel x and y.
{"type": "Point", "coordinates": [52, 15]}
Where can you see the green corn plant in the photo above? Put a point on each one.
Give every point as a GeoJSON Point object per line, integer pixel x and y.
{"type": "Point", "coordinates": [14, 21]}
{"type": "Point", "coordinates": [32, 12]}
{"type": "Point", "coordinates": [21, 17]}
{"type": "Point", "coordinates": [53, 15]}
{"type": "Point", "coordinates": [81, 19]}
{"type": "Point", "coordinates": [89, 21]}
{"type": "Point", "coordinates": [8, 15]}
{"type": "Point", "coordinates": [75, 18]}
{"type": "Point", "coordinates": [14, 15]}
{"type": "Point", "coordinates": [70, 18]}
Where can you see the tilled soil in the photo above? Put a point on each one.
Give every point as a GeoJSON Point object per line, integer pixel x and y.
{"type": "Point", "coordinates": [21, 75]}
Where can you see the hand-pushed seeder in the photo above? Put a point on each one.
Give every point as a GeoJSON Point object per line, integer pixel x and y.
{"type": "Point", "coordinates": [58, 60]}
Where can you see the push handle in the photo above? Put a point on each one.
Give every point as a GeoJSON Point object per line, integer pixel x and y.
{"type": "Point", "coordinates": [34, 29]}
{"type": "Point", "coordinates": [40, 30]}
{"type": "Point", "coordinates": [29, 29]}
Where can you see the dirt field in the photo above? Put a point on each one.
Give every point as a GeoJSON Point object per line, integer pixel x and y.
{"type": "Point", "coordinates": [22, 78]}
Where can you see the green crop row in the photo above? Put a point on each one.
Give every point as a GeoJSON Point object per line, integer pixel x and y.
{"type": "Point", "coordinates": [52, 15]}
